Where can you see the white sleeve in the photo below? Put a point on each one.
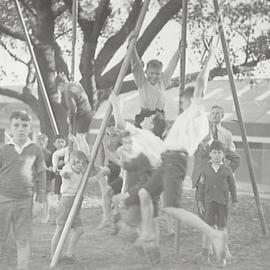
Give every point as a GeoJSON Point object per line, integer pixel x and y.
{"type": "Point", "coordinates": [58, 154]}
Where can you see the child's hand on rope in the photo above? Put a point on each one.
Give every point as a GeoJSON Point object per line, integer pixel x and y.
{"type": "Point", "coordinates": [201, 207]}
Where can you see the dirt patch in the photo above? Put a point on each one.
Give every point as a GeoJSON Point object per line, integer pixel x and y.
{"type": "Point", "coordinates": [97, 250]}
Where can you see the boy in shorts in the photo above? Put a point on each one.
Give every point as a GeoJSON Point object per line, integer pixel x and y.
{"type": "Point", "coordinates": [216, 182]}
{"type": "Point", "coordinates": [151, 85]}
{"type": "Point", "coordinates": [79, 109]}
{"type": "Point", "coordinates": [72, 174]}
{"type": "Point", "coordinates": [20, 161]}
{"type": "Point", "coordinates": [58, 163]}
{"type": "Point", "coordinates": [42, 141]}
{"type": "Point", "coordinates": [109, 179]}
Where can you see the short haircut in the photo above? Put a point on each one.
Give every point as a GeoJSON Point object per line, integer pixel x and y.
{"type": "Point", "coordinates": [154, 63]}
{"type": "Point", "coordinates": [79, 155]}
{"type": "Point", "coordinates": [42, 137]}
{"type": "Point", "coordinates": [22, 115]}
{"type": "Point", "coordinates": [217, 145]}
{"type": "Point", "coordinates": [59, 136]}
{"type": "Point", "coordinates": [189, 92]}
{"type": "Point", "coordinates": [218, 107]}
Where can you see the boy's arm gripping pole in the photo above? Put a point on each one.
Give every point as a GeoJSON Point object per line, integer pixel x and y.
{"type": "Point", "coordinates": [241, 123]}
{"type": "Point", "coordinates": [98, 141]}
{"type": "Point", "coordinates": [39, 77]}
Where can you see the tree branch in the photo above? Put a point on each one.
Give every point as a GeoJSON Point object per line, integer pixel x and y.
{"type": "Point", "coordinates": [114, 42]}
{"type": "Point", "coordinates": [160, 20]}
{"type": "Point", "coordinates": [10, 31]}
{"type": "Point", "coordinates": [28, 99]}
{"type": "Point", "coordinates": [16, 58]}
{"type": "Point", "coordinates": [102, 13]}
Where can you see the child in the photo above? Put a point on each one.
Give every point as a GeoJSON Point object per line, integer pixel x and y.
{"type": "Point", "coordinates": [58, 163]}
{"type": "Point", "coordinates": [151, 85]}
{"type": "Point", "coordinates": [79, 109]}
{"type": "Point", "coordinates": [110, 180]}
{"type": "Point", "coordinates": [72, 174]}
{"type": "Point", "coordinates": [42, 141]}
{"type": "Point", "coordinates": [216, 182]}
{"type": "Point", "coordinates": [20, 161]}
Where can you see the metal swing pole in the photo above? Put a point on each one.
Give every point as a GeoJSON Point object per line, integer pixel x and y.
{"type": "Point", "coordinates": [182, 78]}
{"type": "Point", "coordinates": [241, 122]}
{"type": "Point", "coordinates": [39, 76]}
{"type": "Point", "coordinates": [117, 88]}
{"type": "Point", "coordinates": [75, 5]}
{"type": "Point", "coordinates": [74, 38]}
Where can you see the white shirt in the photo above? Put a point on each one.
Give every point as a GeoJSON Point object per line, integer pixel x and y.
{"type": "Point", "coordinates": [70, 184]}
{"type": "Point", "coordinates": [19, 148]}
{"type": "Point", "coordinates": [144, 141]}
{"type": "Point", "coordinates": [189, 129]}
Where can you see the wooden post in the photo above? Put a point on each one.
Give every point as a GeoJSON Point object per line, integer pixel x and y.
{"type": "Point", "coordinates": [39, 77]}
{"type": "Point", "coordinates": [74, 38]}
{"type": "Point", "coordinates": [117, 88]}
{"type": "Point", "coordinates": [182, 78]}
{"type": "Point", "coordinates": [241, 123]}
{"type": "Point", "coordinates": [73, 62]}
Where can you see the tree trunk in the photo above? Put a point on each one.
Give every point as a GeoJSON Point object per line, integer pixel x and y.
{"type": "Point", "coordinates": [44, 50]}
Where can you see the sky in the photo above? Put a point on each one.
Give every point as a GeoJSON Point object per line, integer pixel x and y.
{"type": "Point", "coordinates": [168, 39]}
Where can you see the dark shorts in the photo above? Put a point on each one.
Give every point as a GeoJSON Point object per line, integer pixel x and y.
{"type": "Point", "coordinates": [114, 180]}
{"type": "Point", "coordinates": [63, 209]}
{"type": "Point", "coordinates": [83, 122]}
{"type": "Point", "coordinates": [57, 184]}
{"type": "Point", "coordinates": [216, 214]}
{"type": "Point", "coordinates": [168, 178]}
{"type": "Point", "coordinates": [18, 214]}
{"type": "Point", "coordinates": [134, 200]}
{"type": "Point", "coordinates": [116, 185]}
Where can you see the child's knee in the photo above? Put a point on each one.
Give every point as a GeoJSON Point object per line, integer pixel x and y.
{"type": "Point", "coordinates": [144, 195]}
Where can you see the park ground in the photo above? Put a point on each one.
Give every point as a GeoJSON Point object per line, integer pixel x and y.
{"type": "Point", "coordinates": [98, 250]}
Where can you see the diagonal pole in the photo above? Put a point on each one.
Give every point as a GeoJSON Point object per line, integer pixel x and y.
{"type": "Point", "coordinates": [74, 37]}
{"type": "Point", "coordinates": [182, 83]}
{"type": "Point", "coordinates": [117, 88]}
{"type": "Point", "coordinates": [39, 77]}
{"type": "Point", "coordinates": [241, 123]}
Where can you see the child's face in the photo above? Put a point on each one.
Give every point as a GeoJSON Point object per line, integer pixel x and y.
{"type": "Point", "coordinates": [112, 138]}
{"type": "Point", "coordinates": [154, 74]}
{"type": "Point", "coordinates": [42, 143]}
{"type": "Point", "coordinates": [20, 130]}
{"type": "Point", "coordinates": [59, 143]}
{"type": "Point", "coordinates": [77, 165]}
{"type": "Point", "coordinates": [216, 155]}
{"type": "Point", "coordinates": [127, 144]}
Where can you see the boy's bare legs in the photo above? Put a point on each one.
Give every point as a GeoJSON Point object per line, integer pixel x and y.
{"type": "Point", "coordinates": [45, 210]}
{"type": "Point", "coordinates": [147, 211]}
{"type": "Point", "coordinates": [74, 238]}
{"type": "Point", "coordinates": [23, 254]}
{"type": "Point", "coordinates": [83, 145]}
{"type": "Point", "coordinates": [55, 239]}
{"type": "Point", "coordinates": [218, 237]}
{"type": "Point", "coordinates": [106, 192]}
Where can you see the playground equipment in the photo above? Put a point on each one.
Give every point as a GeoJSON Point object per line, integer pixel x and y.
{"type": "Point", "coordinates": [98, 141]}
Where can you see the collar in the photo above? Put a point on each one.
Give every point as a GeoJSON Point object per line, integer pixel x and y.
{"type": "Point", "coordinates": [19, 148]}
